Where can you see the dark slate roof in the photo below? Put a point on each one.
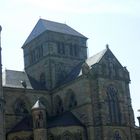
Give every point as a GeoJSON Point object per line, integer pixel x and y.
{"type": "Point", "coordinates": [24, 125]}
{"type": "Point", "coordinates": [72, 75]}
{"type": "Point", "coordinates": [44, 25]}
{"type": "Point", "coordinates": [77, 70]}
{"type": "Point", "coordinates": [66, 119]}
{"type": "Point", "coordinates": [14, 79]}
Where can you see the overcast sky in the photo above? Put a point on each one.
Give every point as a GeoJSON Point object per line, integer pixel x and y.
{"type": "Point", "coordinates": [112, 22]}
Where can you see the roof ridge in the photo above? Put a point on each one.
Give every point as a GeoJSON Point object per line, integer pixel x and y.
{"type": "Point", "coordinates": [52, 21]}
{"type": "Point", "coordinates": [96, 58]}
{"type": "Point", "coordinates": [13, 70]}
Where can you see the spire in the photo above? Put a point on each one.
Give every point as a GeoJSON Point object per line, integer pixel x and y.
{"type": "Point", "coordinates": [38, 105]}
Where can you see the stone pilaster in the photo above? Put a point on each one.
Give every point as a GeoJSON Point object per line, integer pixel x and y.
{"type": "Point", "coordinates": [2, 130]}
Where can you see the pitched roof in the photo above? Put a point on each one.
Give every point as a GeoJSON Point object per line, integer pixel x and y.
{"type": "Point", "coordinates": [24, 125]}
{"type": "Point", "coordinates": [44, 25]}
{"type": "Point", "coordinates": [77, 70]}
{"type": "Point", "coordinates": [72, 75]}
{"type": "Point", "coordinates": [16, 79]}
{"type": "Point", "coordinates": [66, 119]}
{"type": "Point", "coordinates": [20, 79]}
{"type": "Point", "coordinates": [96, 58]}
{"type": "Point", "coordinates": [38, 105]}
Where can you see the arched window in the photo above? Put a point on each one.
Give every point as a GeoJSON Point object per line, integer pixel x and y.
{"type": "Point", "coordinates": [113, 104]}
{"type": "Point", "coordinates": [20, 107]}
{"type": "Point", "coordinates": [71, 101]}
{"type": "Point", "coordinates": [46, 104]}
{"type": "Point", "coordinates": [58, 105]}
{"type": "Point", "coordinates": [61, 48]}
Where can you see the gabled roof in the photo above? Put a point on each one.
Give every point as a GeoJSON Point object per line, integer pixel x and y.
{"type": "Point", "coordinates": [77, 70]}
{"type": "Point", "coordinates": [44, 25]}
{"type": "Point", "coordinates": [91, 61]}
{"type": "Point", "coordinates": [66, 119]}
{"type": "Point", "coordinates": [14, 79]}
{"type": "Point", "coordinates": [24, 125]}
{"type": "Point", "coordinates": [18, 79]}
{"type": "Point", "coordinates": [38, 105]}
{"type": "Point", "coordinates": [96, 58]}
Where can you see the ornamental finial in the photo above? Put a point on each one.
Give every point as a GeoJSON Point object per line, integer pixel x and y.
{"type": "Point", "coordinates": [107, 46]}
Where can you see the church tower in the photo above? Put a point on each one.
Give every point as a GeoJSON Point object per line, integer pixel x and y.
{"type": "Point", "coordinates": [51, 51]}
{"type": "Point", "coordinates": [2, 131]}
{"type": "Point", "coordinates": [39, 121]}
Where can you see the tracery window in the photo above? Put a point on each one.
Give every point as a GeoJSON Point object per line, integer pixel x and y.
{"type": "Point", "coordinates": [113, 104]}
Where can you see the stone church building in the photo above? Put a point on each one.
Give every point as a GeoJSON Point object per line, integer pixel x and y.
{"type": "Point", "coordinates": [64, 95]}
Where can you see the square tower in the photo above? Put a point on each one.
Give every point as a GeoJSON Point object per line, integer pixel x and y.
{"type": "Point", "coordinates": [51, 51]}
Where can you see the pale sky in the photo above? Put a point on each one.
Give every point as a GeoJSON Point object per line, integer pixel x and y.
{"type": "Point", "coordinates": [112, 22]}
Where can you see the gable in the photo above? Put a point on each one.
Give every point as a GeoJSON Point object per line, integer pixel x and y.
{"type": "Point", "coordinates": [105, 64]}
{"type": "Point", "coordinates": [110, 59]}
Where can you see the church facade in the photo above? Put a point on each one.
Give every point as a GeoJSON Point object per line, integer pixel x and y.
{"type": "Point", "coordinates": [62, 94]}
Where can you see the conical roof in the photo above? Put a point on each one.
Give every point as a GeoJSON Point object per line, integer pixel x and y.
{"type": "Point", "coordinates": [38, 105]}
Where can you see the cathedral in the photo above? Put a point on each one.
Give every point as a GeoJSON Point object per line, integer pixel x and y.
{"type": "Point", "coordinates": [64, 95]}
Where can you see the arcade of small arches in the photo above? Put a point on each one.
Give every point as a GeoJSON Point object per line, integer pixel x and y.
{"type": "Point", "coordinates": [22, 106]}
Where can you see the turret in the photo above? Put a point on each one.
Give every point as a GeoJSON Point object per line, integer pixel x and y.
{"type": "Point", "coordinates": [39, 121]}
{"type": "Point", "coordinates": [51, 51]}
{"type": "Point", "coordinates": [2, 130]}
